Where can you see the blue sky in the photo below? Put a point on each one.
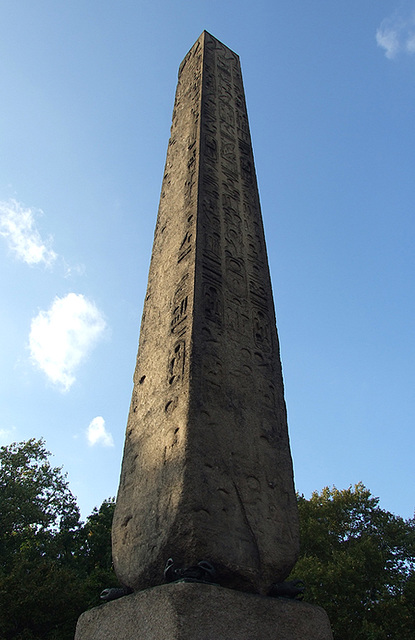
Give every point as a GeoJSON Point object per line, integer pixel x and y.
{"type": "Point", "coordinates": [87, 97]}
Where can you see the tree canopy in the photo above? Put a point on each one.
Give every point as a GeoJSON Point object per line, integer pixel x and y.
{"type": "Point", "coordinates": [357, 560]}
{"type": "Point", "coordinates": [52, 566]}
{"type": "Point", "coordinates": [35, 501]}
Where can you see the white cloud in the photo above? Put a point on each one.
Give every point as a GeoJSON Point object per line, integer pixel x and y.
{"type": "Point", "coordinates": [18, 227]}
{"type": "Point", "coordinates": [6, 435]}
{"type": "Point", "coordinates": [387, 38]}
{"type": "Point", "coordinates": [397, 35]}
{"type": "Point", "coordinates": [97, 433]}
{"type": "Point", "coordinates": [62, 337]}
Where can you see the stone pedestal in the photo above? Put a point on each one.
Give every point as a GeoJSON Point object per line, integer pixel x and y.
{"type": "Point", "coordinates": [186, 611]}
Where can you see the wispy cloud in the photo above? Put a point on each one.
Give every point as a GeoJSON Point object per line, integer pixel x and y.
{"type": "Point", "coordinates": [62, 337]}
{"type": "Point", "coordinates": [396, 35]}
{"type": "Point", "coordinates": [97, 433]}
{"type": "Point", "coordinates": [6, 435]}
{"type": "Point", "coordinates": [18, 227]}
{"type": "Point", "coordinates": [73, 270]}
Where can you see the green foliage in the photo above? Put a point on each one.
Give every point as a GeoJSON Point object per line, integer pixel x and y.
{"type": "Point", "coordinates": [52, 567]}
{"type": "Point", "coordinates": [96, 536]}
{"type": "Point", "coordinates": [358, 562]}
{"type": "Point", "coordinates": [35, 501]}
{"type": "Point", "coordinates": [94, 560]}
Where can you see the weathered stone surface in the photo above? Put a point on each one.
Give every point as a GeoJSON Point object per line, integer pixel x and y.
{"type": "Point", "coordinates": [207, 471]}
{"type": "Point", "coordinates": [203, 612]}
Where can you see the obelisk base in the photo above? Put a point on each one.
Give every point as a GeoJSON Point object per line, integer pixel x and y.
{"type": "Point", "coordinates": [189, 611]}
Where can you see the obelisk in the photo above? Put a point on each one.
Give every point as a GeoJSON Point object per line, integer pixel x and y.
{"type": "Point", "coordinates": [207, 477]}
{"type": "Point", "coordinates": [207, 471]}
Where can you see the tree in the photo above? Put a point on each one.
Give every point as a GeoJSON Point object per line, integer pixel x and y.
{"type": "Point", "coordinates": [39, 521]}
{"type": "Point", "coordinates": [35, 501]}
{"type": "Point", "coordinates": [95, 553]}
{"type": "Point", "coordinates": [52, 567]}
{"type": "Point", "coordinates": [358, 562]}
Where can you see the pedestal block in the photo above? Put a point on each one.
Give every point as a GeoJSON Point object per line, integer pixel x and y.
{"type": "Point", "coordinates": [186, 611]}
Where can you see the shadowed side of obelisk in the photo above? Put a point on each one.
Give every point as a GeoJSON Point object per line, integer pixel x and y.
{"type": "Point", "coordinates": [239, 477]}
{"type": "Point", "coordinates": [207, 471]}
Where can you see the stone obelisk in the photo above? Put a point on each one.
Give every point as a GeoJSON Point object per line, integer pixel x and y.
{"type": "Point", "coordinates": [207, 472]}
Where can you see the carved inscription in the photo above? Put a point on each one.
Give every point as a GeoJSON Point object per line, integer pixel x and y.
{"type": "Point", "coordinates": [262, 331]}
{"type": "Point", "coordinates": [213, 303]}
{"type": "Point", "coordinates": [176, 363]}
{"type": "Point", "coordinates": [178, 324]}
{"type": "Point", "coordinates": [237, 320]}
{"type": "Point", "coordinates": [186, 245]}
